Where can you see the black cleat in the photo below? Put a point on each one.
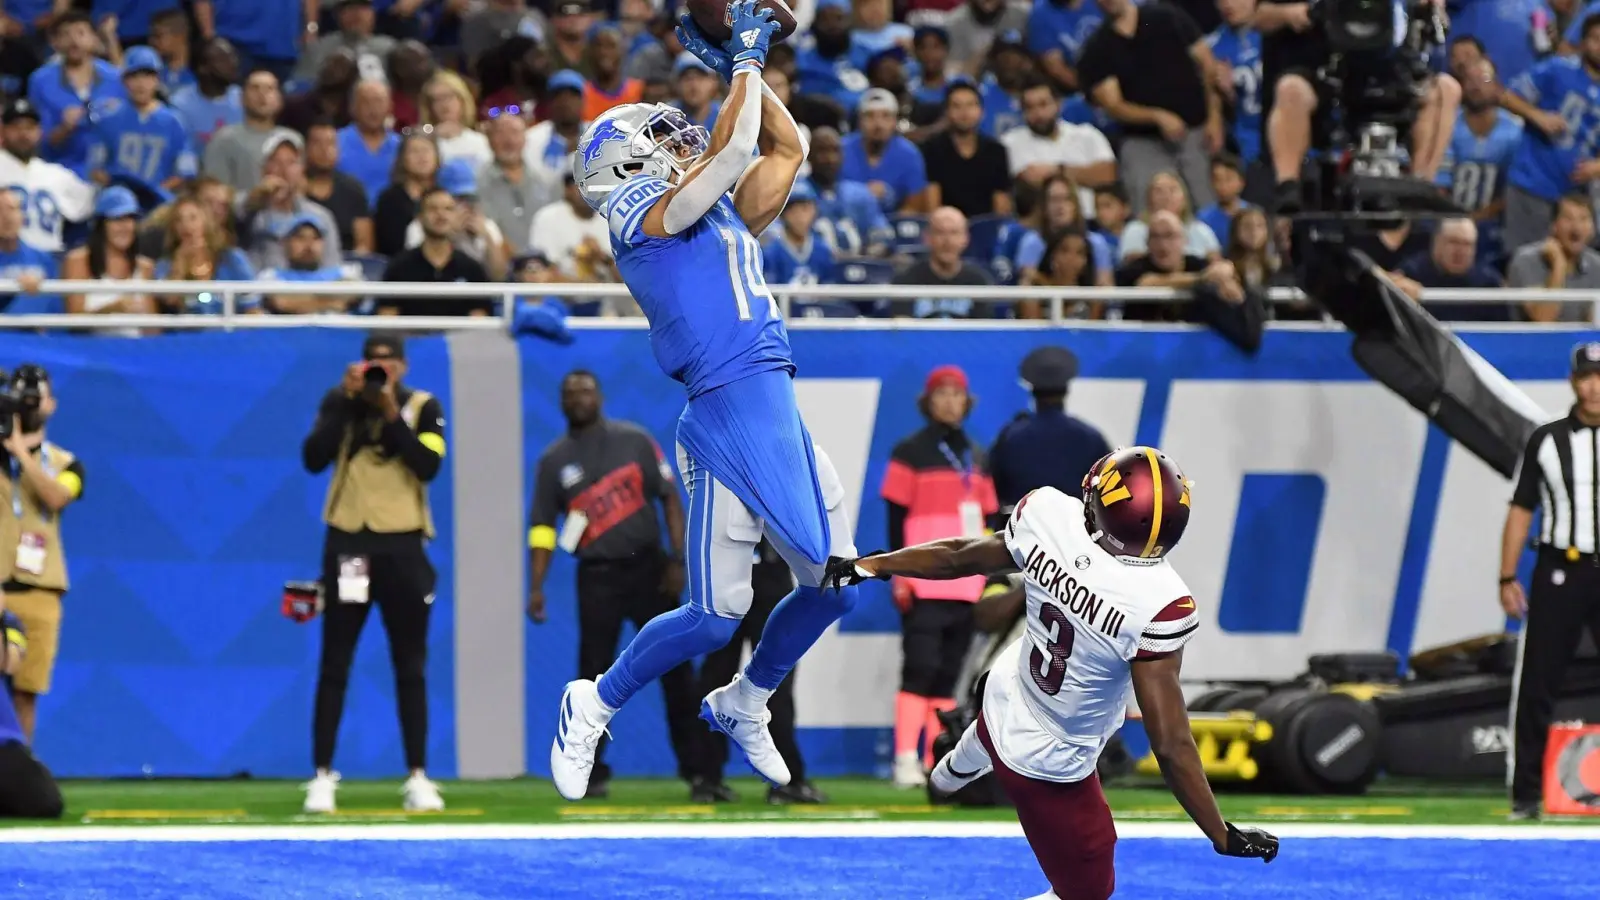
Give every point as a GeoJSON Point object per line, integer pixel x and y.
{"type": "Point", "coordinates": [1527, 811]}
{"type": "Point", "coordinates": [598, 790]}
{"type": "Point", "coordinates": [702, 791]}
{"type": "Point", "coordinates": [795, 793]}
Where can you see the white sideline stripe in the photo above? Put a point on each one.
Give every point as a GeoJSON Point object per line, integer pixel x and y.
{"type": "Point", "coordinates": [726, 830]}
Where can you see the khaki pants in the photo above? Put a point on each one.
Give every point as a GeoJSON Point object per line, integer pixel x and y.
{"type": "Point", "coordinates": [39, 611]}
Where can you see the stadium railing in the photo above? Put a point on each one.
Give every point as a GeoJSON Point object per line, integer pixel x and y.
{"type": "Point", "coordinates": [229, 292]}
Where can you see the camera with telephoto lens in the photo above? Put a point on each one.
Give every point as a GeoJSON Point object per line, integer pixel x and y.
{"type": "Point", "coordinates": [1374, 82]}
{"type": "Point", "coordinates": [21, 396]}
{"type": "Point", "coordinates": [374, 377]}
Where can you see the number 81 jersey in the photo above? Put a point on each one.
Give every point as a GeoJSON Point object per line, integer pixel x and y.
{"type": "Point", "coordinates": [712, 319]}
{"type": "Point", "coordinates": [1056, 696]}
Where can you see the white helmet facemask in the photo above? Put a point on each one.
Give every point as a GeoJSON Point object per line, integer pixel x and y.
{"type": "Point", "coordinates": [635, 139]}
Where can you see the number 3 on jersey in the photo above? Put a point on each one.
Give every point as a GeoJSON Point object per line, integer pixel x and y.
{"type": "Point", "coordinates": [1050, 671]}
{"type": "Point", "coordinates": [744, 272]}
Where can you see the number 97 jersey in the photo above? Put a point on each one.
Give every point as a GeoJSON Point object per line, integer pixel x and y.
{"type": "Point", "coordinates": [1056, 696]}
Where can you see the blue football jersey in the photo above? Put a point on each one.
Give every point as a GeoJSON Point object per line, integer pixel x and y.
{"type": "Point", "coordinates": [850, 218]}
{"type": "Point", "coordinates": [712, 319]}
{"type": "Point", "coordinates": [1001, 111]}
{"type": "Point", "coordinates": [1240, 48]}
{"type": "Point", "coordinates": [148, 148]}
{"type": "Point", "coordinates": [1543, 166]}
{"type": "Point", "coordinates": [1475, 168]}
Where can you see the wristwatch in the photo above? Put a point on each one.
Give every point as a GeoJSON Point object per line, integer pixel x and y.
{"type": "Point", "coordinates": [1507, 579]}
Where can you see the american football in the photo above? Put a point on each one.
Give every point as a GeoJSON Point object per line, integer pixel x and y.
{"type": "Point", "coordinates": [712, 17]}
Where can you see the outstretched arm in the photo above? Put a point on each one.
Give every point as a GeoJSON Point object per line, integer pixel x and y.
{"type": "Point", "coordinates": [733, 144]}
{"type": "Point", "coordinates": [1166, 720]}
{"type": "Point", "coordinates": [761, 194]}
{"type": "Point", "coordinates": [950, 558]}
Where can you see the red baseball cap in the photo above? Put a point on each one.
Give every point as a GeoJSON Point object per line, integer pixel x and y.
{"type": "Point", "coordinates": [943, 376]}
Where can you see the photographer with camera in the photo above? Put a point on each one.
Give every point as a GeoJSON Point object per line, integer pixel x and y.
{"type": "Point", "coordinates": [1378, 77]}
{"type": "Point", "coordinates": [41, 480]}
{"type": "Point", "coordinates": [385, 442]}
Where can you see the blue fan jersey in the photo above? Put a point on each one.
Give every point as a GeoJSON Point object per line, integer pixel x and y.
{"type": "Point", "coordinates": [1543, 166]}
{"type": "Point", "coordinates": [1001, 111]}
{"type": "Point", "coordinates": [1475, 168]}
{"type": "Point", "coordinates": [837, 78]}
{"type": "Point", "coordinates": [148, 148]}
{"type": "Point", "coordinates": [1240, 48]}
{"type": "Point", "coordinates": [52, 96]}
{"type": "Point", "coordinates": [712, 319]}
{"type": "Point", "coordinates": [1062, 27]}
{"type": "Point", "coordinates": [850, 219]}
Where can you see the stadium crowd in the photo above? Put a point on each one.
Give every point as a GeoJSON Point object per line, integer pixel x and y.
{"type": "Point", "coordinates": [953, 143]}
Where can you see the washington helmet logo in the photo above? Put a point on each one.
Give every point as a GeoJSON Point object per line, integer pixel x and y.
{"type": "Point", "coordinates": [1112, 489]}
{"type": "Point", "coordinates": [603, 133]}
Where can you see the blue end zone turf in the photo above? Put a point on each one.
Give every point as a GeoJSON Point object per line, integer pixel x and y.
{"type": "Point", "coordinates": [833, 867]}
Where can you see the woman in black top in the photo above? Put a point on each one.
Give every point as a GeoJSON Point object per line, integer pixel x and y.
{"type": "Point", "coordinates": [414, 169]}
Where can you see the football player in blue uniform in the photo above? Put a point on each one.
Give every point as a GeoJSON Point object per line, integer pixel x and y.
{"type": "Point", "coordinates": [683, 209]}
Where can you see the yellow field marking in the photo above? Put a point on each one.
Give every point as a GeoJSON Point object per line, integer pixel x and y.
{"type": "Point", "coordinates": [162, 813]}
{"type": "Point", "coordinates": [404, 813]}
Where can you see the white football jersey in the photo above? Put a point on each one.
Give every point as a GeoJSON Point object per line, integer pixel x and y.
{"type": "Point", "coordinates": [1057, 695]}
{"type": "Point", "coordinates": [51, 195]}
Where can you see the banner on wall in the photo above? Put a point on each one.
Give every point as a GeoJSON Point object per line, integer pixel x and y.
{"type": "Point", "coordinates": [1328, 515]}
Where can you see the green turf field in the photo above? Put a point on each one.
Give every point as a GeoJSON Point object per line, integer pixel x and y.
{"type": "Point", "coordinates": [535, 801]}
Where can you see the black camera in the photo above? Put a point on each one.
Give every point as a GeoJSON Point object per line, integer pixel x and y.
{"type": "Point", "coordinates": [1374, 81]}
{"type": "Point", "coordinates": [21, 396]}
{"type": "Point", "coordinates": [374, 377]}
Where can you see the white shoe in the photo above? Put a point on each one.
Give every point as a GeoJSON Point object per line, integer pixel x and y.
{"type": "Point", "coordinates": [908, 771]}
{"type": "Point", "coordinates": [946, 780]}
{"type": "Point", "coordinates": [319, 793]}
{"type": "Point", "coordinates": [721, 710]}
{"type": "Point", "coordinates": [583, 720]}
{"type": "Point", "coordinates": [421, 795]}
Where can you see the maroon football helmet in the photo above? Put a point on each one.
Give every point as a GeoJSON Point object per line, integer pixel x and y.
{"type": "Point", "coordinates": [1136, 503]}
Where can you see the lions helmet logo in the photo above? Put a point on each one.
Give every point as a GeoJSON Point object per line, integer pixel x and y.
{"type": "Point", "coordinates": [603, 133]}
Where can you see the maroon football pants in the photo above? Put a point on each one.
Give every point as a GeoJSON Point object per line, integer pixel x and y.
{"type": "Point", "coordinates": [1068, 825]}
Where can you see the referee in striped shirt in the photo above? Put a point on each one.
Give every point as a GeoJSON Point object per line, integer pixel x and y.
{"type": "Point", "coordinates": [1560, 474]}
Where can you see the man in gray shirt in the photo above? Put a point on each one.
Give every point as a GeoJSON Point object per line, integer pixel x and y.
{"type": "Point", "coordinates": [356, 22]}
{"type": "Point", "coordinates": [1562, 260]}
{"type": "Point", "coordinates": [279, 202]}
{"type": "Point", "coordinates": [495, 23]}
{"type": "Point", "coordinates": [973, 25]}
{"type": "Point", "coordinates": [234, 154]}
{"type": "Point", "coordinates": [510, 191]}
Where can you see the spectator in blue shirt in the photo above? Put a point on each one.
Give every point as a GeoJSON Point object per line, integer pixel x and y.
{"type": "Point", "coordinates": [1011, 70]}
{"type": "Point", "coordinates": [213, 101]}
{"type": "Point", "coordinates": [889, 164]}
{"type": "Point", "coordinates": [1514, 33]}
{"type": "Point", "coordinates": [1056, 32]}
{"type": "Point", "coordinates": [1559, 103]}
{"type": "Point", "coordinates": [1481, 150]}
{"type": "Point", "coordinates": [304, 260]}
{"type": "Point", "coordinates": [848, 215]}
{"type": "Point", "coordinates": [197, 249]}
{"type": "Point", "coordinates": [133, 16]}
{"type": "Point", "coordinates": [266, 34]}
{"type": "Point", "coordinates": [141, 144]}
{"type": "Point", "coordinates": [367, 148]}
{"type": "Point", "coordinates": [798, 255]}
{"type": "Point", "coordinates": [1451, 263]}
{"type": "Point", "coordinates": [66, 90]}
{"type": "Point", "coordinates": [698, 87]}
{"type": "Point", "coordinates": [169, 36]}
{"type": "Point", "coordinates": [1227, 182]}
{"type": "Point", "coordinates": [823, 58]}
{"type": "Point", "coordinates": [23, 264]}
{"type": "Point", "coordinates": [933, 74]}
{"type": "Point", "coordinates": [874, 32]}
{"type": "Point", "coordinates": [1236, 47]}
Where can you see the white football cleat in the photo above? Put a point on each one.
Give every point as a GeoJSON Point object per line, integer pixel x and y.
{"type": "Point", "coordinates": [908, 772]}
{"type": "Point", "coordinates": [319, 793]}
{"type": "Point", "coordinates": [946, 780]}
{"type": "Point", "coordinates": [421, 795]}
{"type": "Point", "coordinates": [721, 710]}
{"type": "Point", "coordinates": [584, 717]}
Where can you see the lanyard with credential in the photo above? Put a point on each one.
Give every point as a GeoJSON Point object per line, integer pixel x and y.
{"type": "Point", "coordinates": [14, 470]}
{"type": "Point", "coordinates": [962, 464]}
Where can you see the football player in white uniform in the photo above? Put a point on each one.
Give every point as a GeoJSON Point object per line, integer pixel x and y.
{"type": "Point", "coordinates": [50, 194]}
{"type": "Point", "coordinates": [1104, 609]}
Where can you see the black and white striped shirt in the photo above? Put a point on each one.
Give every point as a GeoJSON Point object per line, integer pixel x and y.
{"type": "Point", "coordinates": [1560, 473]}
